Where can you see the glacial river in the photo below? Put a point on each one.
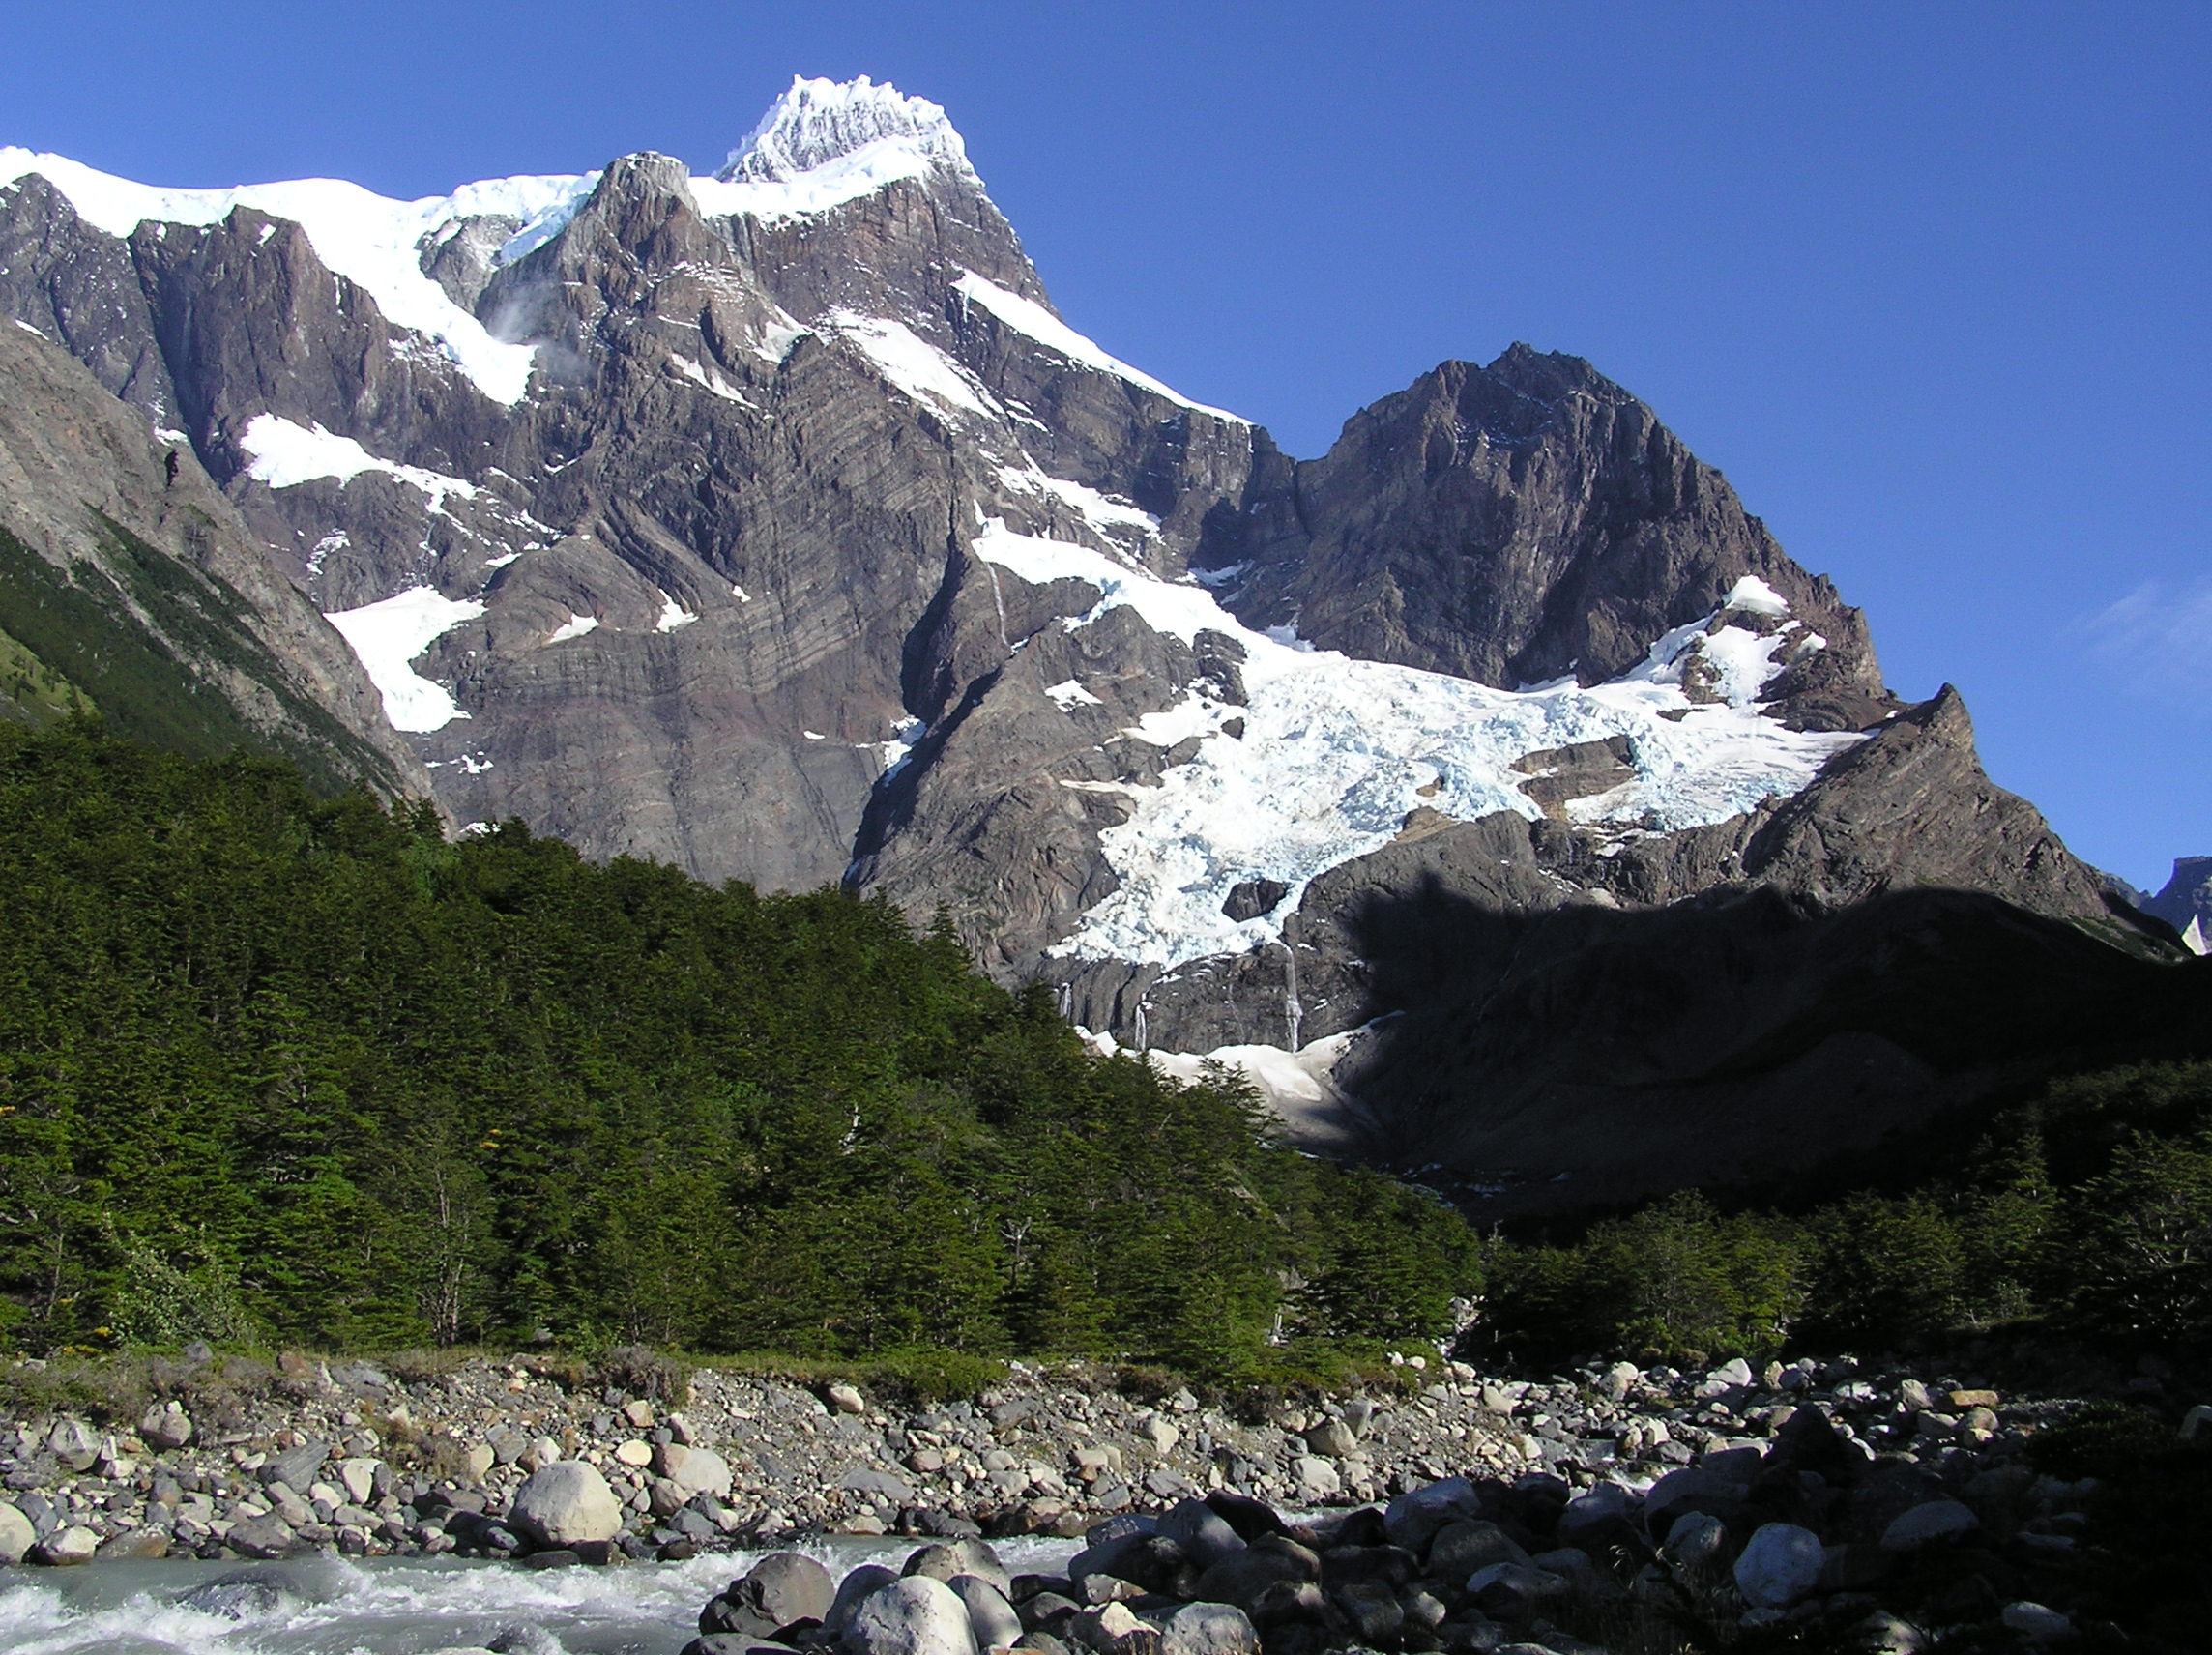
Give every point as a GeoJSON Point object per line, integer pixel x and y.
{"type": "Point", "coordinates": [332, 1605]}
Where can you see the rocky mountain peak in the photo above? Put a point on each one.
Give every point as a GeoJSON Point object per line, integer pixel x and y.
{"type": "Point", "coordinates": [818, 123]}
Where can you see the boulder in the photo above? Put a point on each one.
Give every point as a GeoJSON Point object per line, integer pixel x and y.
{"type": "Point", "coordinates": [1208, 1628]}
{"type": "Point", "coordinates": [1249, 1517]}
{"type": "Point", "coordinates": [782, 1588]}
{"type": "Point", "coordinates": [1332, 1438]}
{"type": "Point", "coordinates": [16, 1535]}
{"type": "Point", "coordinates": [1317, 1478]}
{"type": "Point", "coordinates": [877, 1485]}
{"type": "Point", "coordinates": [566, 1505]}
{"type": "Point", "coordinates": [74, 1443]}
{"type": "Point", "coordinates": [69, 1547]}
{"type": "Point", "coordinates": [1202, 1533]}
{"type": "Point", "coordinates": [359, 1476]}
{"type": "Point", "coordinates": [950, 1560]}
{"type": "Point", "coordinates": [1591, 1516]}
{"type": "Point", "coordinates": [845, 1399]}
{"type": "Point", "coordinates": [1512, 1590]}
{"type": "Point", "coordinates": [694, 1470]}
{"type": "Point", "coordinates": [1696, 1542]}
{"type": "Point", "coordinates": [1372, 1611]}
{"type": "Point", "coordinates": [261, 1537]}
{"type": "Point", "coordinates": [851, 1591]}
{"type": "Point", "coordinates": [1936, 1522]}
{"type": "Point", "coordinates": [1241, 1579]}
{"type": "Point", "coordinates": [2036, 1623]}
{"type": "Point", "coordinates": [1780, 1567]}
{"type": "Point", "coordinates": [918, 1614]}
{"type": "Point", "coordinates": [166, 1425]}
{"type": "Point", "coordinates": [990, 1616]}
{"type": "Point", "coordinates": [1462, 1548]}
{"type": "Point", "coordinates": [1108, 1629]}
{"type": "Point", "coordinates": [295, 1467]}
{"type": "Point", "coordinates": [1415, 1517]}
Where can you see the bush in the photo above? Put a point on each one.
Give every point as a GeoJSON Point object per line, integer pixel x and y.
{"type": "Point", "coordinates": [1678, 1282]}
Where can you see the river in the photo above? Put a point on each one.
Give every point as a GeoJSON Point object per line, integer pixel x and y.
{"type": "Point", "coordinates": [393, 1605]}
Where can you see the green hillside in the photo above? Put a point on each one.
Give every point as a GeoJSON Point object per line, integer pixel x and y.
{"type": "Point", "coordinates": [290, 1068]}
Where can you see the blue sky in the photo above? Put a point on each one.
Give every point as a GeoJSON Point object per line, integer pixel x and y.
{"type": "Point", "coordinates": [1932, 285]}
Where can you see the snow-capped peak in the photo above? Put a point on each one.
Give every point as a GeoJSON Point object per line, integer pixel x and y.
{"type": "Point", "coordinates": [819, 122]}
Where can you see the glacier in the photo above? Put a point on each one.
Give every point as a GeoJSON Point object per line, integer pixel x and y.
{"type": "Point", "coordinates": [1336, 752]}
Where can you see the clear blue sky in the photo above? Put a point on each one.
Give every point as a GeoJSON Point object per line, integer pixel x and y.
{"type": "Point", "coordinates": [1929, 283]}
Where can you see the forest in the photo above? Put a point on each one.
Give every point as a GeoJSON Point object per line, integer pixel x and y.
{"type": "Point", "coordinates": [283, 1067]}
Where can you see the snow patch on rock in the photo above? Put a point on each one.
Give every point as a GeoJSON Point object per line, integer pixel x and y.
{"type": "Point", "coordinates": [912, 364]}
{"type": "Point", "coordinates": [286, 455]}
{"type": "Point", "coordinates": [1028, 317]}
{"type": "Point", "coordinates": [389, 634]}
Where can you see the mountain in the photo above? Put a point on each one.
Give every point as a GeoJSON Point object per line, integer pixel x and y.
{"type": "Point", "coordinates": [140, 595]}
{"type": "Point", "coordinates": [2186, 902]}
{"type": "Point", "coordinates": [775, 524]}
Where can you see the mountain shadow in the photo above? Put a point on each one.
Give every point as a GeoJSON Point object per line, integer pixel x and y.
{"type": "Point", "coordinates": [1588, 1057]}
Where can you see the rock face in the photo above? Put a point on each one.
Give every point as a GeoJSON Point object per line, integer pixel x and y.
{"type": "Point", "coordinates": [147, 598]}
{"type": "Point", "coordinates": [772, 524]}
{"type": "Point", "coordinates": [2186, 902]}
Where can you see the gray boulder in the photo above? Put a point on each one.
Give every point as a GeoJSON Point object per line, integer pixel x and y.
{"type": "Point", "coordinates": [295, 1467]}
{"type": "Point", "coordinates": [1696, 1542]}
{"type": "Point", "coordinates": [1372, 1611]}
{"type": "Point", "coordinates": [74, 1443]}
{"type": "Point", "coordinates": [1208, 1628]}
{"type": "Point", "coordinates": [868, 1577]}
{"type": "Point", "coordinates": [1936, 1523]}
{"type": "Point", "coordinates": [918, 1614]}
{"type": "Point", "coordinates": [166, 1425]}
{"type": "Point", "coordinates": [565, 1504]}
{"type": "Point", "coordinates": [1332, 1438]}
{"type": "Point", "coordinates": [1241, 1579]}
{"type": "Point", "coordinates": [16, 1535]}
{"type": "Point", "coordinates": [1780, 1567]}
{"type": "Point", "coordinates": [990, 1616]}
{"type": "Point", "coordinates": [950, 1560]}
{"type": "Point", "coordinates": [1414, 1519]}
{"type": "Point", "coordinates": [1199, 1529]}
{"type": "Point", "coordinates": [261, 1537]}
{"type": "Point", "coordinates": [69, 1547]}
{"type": "Point", "coordinates": [781, 1589]}
{"type": "Point", "coordinates": [1460, 1549]}
{"type": "Point", "coordinates": [1515, 1589]}
{"type": "Point", "coordinates": [694, 1470]}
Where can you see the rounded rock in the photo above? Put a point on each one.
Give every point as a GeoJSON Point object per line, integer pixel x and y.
{"type": "Point", "coordinates": [1936, 1523]}
{"type": "Point", "coordinates": [990, 1616]}
{"type": "Point", "coordinates": [16, 1535]}
{"type": "Point", "coordinates": [694, 1470]}
{"type": "Point", "coordinates": [1780, 1567]}
{"type": "Point", "coordinates": [914, 1616]}
{"type": "Point", "coordinates": [1210, 1629]}
{"type": "Point", "coordinates": [566, 1505]}
{"type": "Point", "coordinates": [853, 1590]}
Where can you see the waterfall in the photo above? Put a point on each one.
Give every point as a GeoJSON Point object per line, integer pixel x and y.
{"type": "Point", "coordinates": [1292, 1012]}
